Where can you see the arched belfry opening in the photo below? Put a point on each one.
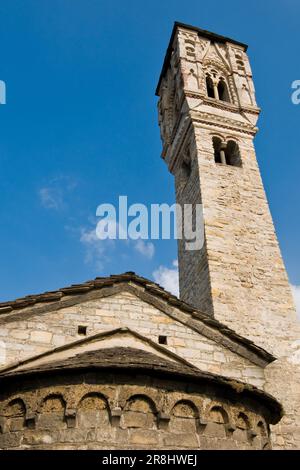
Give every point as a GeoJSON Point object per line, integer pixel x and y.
{"type": "Point", "coordinates": [226, 153]}
{"type": "Point", "coordinates": [216, 87]}
{"type": "Point", "coordinates": [217, 142]}
{"type": "Point", "coordinates": [232, 154]}
{"type": "Point", "coordinates": [223, 91]}
{"type": "Point", "coordinates": [210, 87]}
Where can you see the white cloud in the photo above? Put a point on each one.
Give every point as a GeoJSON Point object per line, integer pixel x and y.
{"type": "Point", "coordinates": [145, 248]}
{"type": "Point", "coordinates": [54, 194]}
{"type": "Point", "coordinates": [96, 250]}
{"type": "Point", "coordinates": [168, 278]}
{"type": "Point", "coordinates": [296, 294]}
{"type": "Point", "coordinates": [51, 198]}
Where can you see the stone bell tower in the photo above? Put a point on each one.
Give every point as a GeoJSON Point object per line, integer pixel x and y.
{"type": "Point", "coordinates": [207, 116]}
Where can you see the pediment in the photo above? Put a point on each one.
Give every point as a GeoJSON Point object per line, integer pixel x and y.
{"type": "Point", "coordinates": [120, 338]}
{"type": "Point", "coordinates": [162, 313]}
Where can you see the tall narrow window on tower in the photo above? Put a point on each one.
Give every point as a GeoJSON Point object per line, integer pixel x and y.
{"type": "Point", "coordinates": [210, 87]}
{"type": "Point", "coordinates": [223, 91]}
{"type": "Point", "coordinates": [232, 154]}
{"type": "Point", "coordinates": [217, 149]}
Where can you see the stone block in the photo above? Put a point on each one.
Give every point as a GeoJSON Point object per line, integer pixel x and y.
{"type": "Point", "coordinates": [41, 336]}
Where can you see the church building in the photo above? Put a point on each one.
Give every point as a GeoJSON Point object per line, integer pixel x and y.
{"type": "Point", "coordinates": [118, 362]}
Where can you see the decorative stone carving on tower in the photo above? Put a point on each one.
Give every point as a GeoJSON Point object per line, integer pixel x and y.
{"type": "Point", "coordinates": [238, 276]}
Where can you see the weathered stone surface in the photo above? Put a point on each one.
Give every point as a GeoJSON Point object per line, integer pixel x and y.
{"type": "Point", "coordinates": [238, 276]}
{"type": "Point", "coordinates": [198, 349]}
{"type": "Point", "coordinates": [141, 402]}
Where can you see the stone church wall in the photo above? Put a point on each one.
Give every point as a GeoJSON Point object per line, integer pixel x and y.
{"type": "Point", "coordinates": [113, 412]}
{"type": "Point", "coordinates": [41, 332]}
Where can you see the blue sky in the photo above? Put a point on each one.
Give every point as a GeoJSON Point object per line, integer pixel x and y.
{"type": "Point", "coordinates": [80, 128]}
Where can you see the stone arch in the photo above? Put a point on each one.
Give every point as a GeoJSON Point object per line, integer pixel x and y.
{"type": "Point", "coordinates": [229, 137]}
{"type": "Point", "coordinates": [226, 152]}
{"type": "Point", "coordinates": [93, 411]}
{"type": "Point", "coordinates": [140, 411]}
{"type": "Point", "coordinates": [209, 86]}
{"type": "Point", "coordinates": [223, 90]}
{"type": "Point", "coordinates": [52, 412]}
{"type": "Point", "coordinates": [215, 67]}
{"type": "Point", "coordinates": [217, 421]}
{"type": "Point", "coordinates": [218, 135]}
{"type": "Point", "coordinates": [263, 438]}
{"type": "Point", "coordinates": [15, 412]}
{"type": "Point", "coordinates": [217, 143]}
{"type": "Point", "coordinates": [184, 417]}
{"type": "Point", "coordinates": [217, 414]}
{"type": "Point", "coordinates": [232, 153]}
{"type": "Point", "coordinates": [262, 429]}
{"type": "Point", "coordinates": [241, 433]}
{"type": "Point", "coordinates": [243, 421]}
{"type": "Point", "coordinates": [218, 81]}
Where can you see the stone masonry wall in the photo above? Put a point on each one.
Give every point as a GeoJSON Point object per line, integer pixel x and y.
{"type": "Point", "coordinates": [193, 264]}
{"type": "Point", "coordinates": [42, 332]}
{"type": "Point", "coordinates": [105, 411]}
{"type": "Point", "coordinates": [249, 286]}
{"type": "Point", "coordinates": [246, 285]}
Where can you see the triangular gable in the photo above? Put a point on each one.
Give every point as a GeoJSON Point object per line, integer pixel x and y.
{"type": "Point", "coordinates": [214, 56]}
{"type": "Point", "coordinates": [120, 337]}
{"type": "Point", "coordinates": [146, 291]}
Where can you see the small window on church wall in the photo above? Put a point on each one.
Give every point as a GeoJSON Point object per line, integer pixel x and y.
{"type": "Point", "coordinates": [162, 339]}
{"type": "Point", "coordinates": [210, 87]}
{"type": "Point", "coordinates": [82, 330]}
{"type": "Point", "coordinates": [223, 91]}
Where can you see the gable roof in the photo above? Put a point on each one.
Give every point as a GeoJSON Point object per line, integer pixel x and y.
{"type": "Point", "coordinates": [93, 343]}
{"type": "Point", "coordinates": [119, 356]}
{"type": "Point", "coordinates": [149, 292]}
